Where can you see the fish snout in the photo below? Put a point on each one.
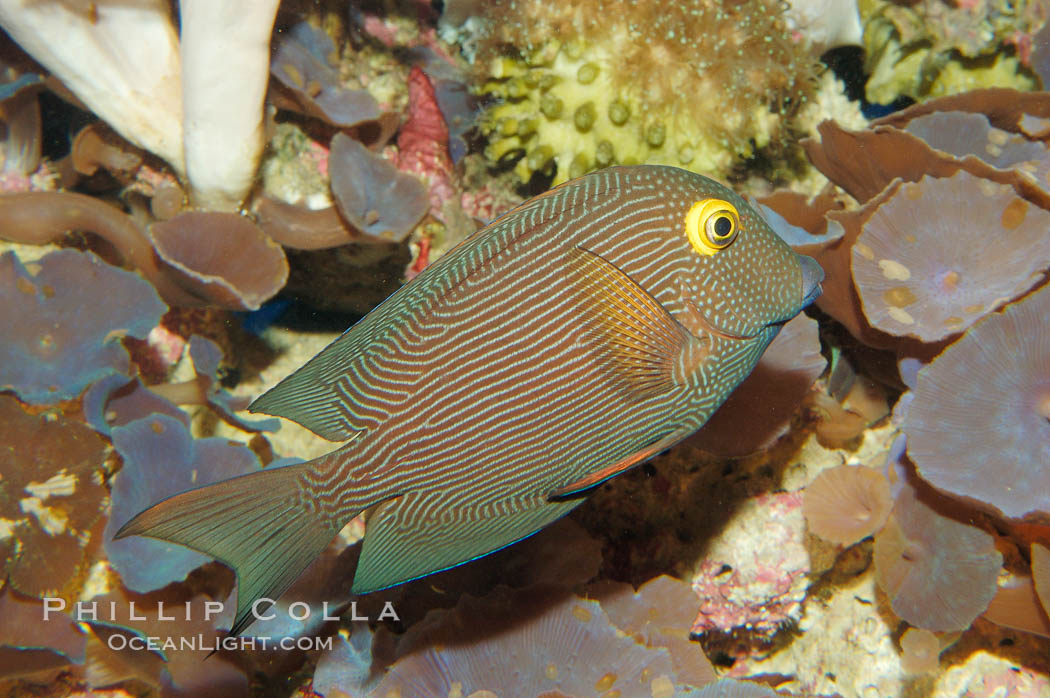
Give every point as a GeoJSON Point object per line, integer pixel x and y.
{"type": "Point", "coordinates": [812, 275]}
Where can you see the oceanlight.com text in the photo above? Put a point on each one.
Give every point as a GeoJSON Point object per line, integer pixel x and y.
{"type": "Point", "coordinates": [119, 641]}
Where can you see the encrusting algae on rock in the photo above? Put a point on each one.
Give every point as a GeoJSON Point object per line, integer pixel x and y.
{"type": "Point", "coordinates": [697, 85]}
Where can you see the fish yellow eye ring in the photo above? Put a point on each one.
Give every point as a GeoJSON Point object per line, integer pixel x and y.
{"type": "Point", "coordinates": [711, 225]}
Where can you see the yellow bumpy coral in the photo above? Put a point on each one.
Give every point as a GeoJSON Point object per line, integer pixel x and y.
{"type": "Point", "coordinates": [691, 85]}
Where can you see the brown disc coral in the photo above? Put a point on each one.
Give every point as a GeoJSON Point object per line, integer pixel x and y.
{"type": "Point", "coordinates": [220, 258]}
{"type": "Point", "coordinates": [51, 496]}
{"type": "Point", "coordinates": [979, 426]}
{"type": "Point", "coordinates": [941, 253]}
{"type": "Point", "coordinates": [847, 503]}
{"type": "Point", "coordinates": [939, 573]}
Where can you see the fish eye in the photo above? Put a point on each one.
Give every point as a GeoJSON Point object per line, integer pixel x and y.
{"type": "Point", "coordinates": [712, 225]}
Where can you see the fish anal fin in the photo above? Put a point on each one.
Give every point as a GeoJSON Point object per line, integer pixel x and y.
{"type": "Point", "coordinates": [255, 523]}
{"type": "Point", "coordinates": [645, 347]}
{"type": "Point", "coordinates": [420, 533]}
{"type": "Point", "coordinates": [599, 476]}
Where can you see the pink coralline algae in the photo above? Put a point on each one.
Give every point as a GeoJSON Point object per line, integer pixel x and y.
{"type": "Point", "coordinates": [761, 585]}
{"type": "Point", "coordinates": [423, 142]}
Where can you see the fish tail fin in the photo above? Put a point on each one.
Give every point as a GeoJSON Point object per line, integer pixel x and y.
{"type": "Point", "coordinates": [268, 525]}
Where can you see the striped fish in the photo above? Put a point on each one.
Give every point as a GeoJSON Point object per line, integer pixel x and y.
{"type": "Point", "coordinates": [580, 334]}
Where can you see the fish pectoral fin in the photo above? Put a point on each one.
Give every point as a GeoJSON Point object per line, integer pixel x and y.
{"type": "Point", "coordinates": [648, 350]}
{"type": "Point", "coordinates": [421, 533]}
{"type": "Point", "coordinates": [255, 523]}
{"type": "Point", "coordinates": [591, 480]}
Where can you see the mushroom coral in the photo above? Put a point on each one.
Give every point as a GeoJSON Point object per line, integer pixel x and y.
{"type": "Point", "coordinates": [192, 259]}
{"type": "Point", "coordinates": [62, 325]}
{"type": "Point", "coordinates": [1041, 574]}
{"type": "Point", "coordinates": [939, 573]}
{"type": "Point", "coordinates": [659, 615]}
{"type": "Point", "coordinates": [1016, 605]}
{"type": "Point", "coordinates": [171, 617]}
{"type": "Point", "coordinates": [220, 258]}
{"type": "Point", "coordinates": [969, 133]}
{"type": "Point", "coordinates": [161, 459]}
{"type": "Point", "coordinates": [115, 401]}
{"type": "Point", "coordinates": [865, 162]}
{"type": "Point", "coordinates": [51, 496]}
{"type": "Point", "coordinates": [847, 503]}
{"type": "Point", "coordinates": [978, 427]}
{"type": "Point", "coordinates": [940, 253]}
{"type": "Point", "coordinates": [524, 643]}
{"type": "Point", "coordinates": [981, 133]}
{"type": "Point", "coordinates": [372, 194]}
{"type": "Point", "coordinates": [920, 651]}
{"type": "Point", "coordinates": [302, 63]}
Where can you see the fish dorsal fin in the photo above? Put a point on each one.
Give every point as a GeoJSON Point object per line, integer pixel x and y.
{"type": "Point", "coordinates": [644, 346]}
{"type": "Point", "coordinates": [591, 480]}
{"type": "Point", "coordinates": [334, 393]}
{"type": "Point", "coordinates": [423, 532]}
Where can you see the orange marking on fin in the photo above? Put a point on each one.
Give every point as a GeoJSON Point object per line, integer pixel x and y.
{"type": "Point", "coordinates": [599, 476]}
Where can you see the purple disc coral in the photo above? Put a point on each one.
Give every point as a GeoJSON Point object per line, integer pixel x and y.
{"type": "Point", "coordinates": [939, 573]}
{"type": "Point", "coordinates": [161, 459]}
{"type": "Point", "coordinates": [967, 133]}
{"type": "Point", "coordinates": [659, 614]}
{"type": "Point", "coordinates": [373, 195]}
{"type": "Point", "coordinates": [302, 62]}
{"type": "Point", "coordinates": [978, 426]}
{"type": "Point", "coordinates": [941, 253]}
{"type": "Point", "coordinates": [523, 644]}
{"type": "Point", "coordinates": [62, 325]}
